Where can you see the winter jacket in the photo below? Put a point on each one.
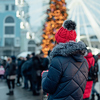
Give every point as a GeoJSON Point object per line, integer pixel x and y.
{"type": "Point", "coordinates": [68, 72]}
{"type": "Point", "coordinates": [26, 67]}
{"type": "Point", "coordinates": [36, 69]}
{"type": "Point", "coordinates": [88, 89]}
{"type": "Point", "coordinates": [10, 69]}
{"type": "Point", "coordinates": [31, 67]}
{"type": "Point", "coordinates": [19, 65]}
{"type": "Point", "coordinates": [45, 63]}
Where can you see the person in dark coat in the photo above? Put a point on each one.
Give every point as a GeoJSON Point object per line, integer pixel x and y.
{"type": "Point", "coordinates": [10, 72]}
{"type": "Point", "coordinates": [20, 62]}
{"type": "Point", "coordinates": [68, 71]}
{"type": "Point", "coordinates": [13, 59]}
{"type": "Point", "coordinates": [26, 72]}
{"type": "Point", "coordinates": [46, 62]}
{"type": "Point", "coordinates": [88, 88]}
{"type": "Point", "coordinates": [31, 69]}
{"type": "Point", "coordinates": [94, 91]}
{"type": "Point", "coordinates": [36, 75]}
{"type": "Point", "coordinates": [45, 66]}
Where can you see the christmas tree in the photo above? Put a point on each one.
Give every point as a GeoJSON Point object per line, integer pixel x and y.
{"type": "Point", "coordinates": [56, 16]}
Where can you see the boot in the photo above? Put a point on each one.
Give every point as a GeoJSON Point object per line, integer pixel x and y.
{"type": "Point", "coordinates": [12, 93]}
{"type": "Point", "coordinates": [98, 96]}
{"type": "Point", "coordinates": [93, 97]}
{"type": "Point", "coordinates": [8, 93]}
{"type": "Point", "coordinates": [35, 93]}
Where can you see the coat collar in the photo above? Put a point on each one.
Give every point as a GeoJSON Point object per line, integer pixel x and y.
{"type": "Point", "coordinates": [69, 48]}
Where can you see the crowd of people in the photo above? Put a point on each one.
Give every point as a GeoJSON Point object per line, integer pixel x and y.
{"type": "Point", "coordinates": [70, 72]}
{"type": "Point", "coordinates": [24, 72]}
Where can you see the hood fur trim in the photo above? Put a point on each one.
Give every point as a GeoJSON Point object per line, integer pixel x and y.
{"type": "Point", "coordinates": [69, 48]}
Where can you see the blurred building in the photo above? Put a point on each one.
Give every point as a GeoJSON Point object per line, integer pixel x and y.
{"type": "Point", "coordinates": [22, 13]}
{"type": "Point", "coordinates": [9, 29]}
{"type": "Point", "coordinates": [13, 34]}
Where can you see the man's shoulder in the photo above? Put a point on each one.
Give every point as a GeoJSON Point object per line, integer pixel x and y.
{"type": "Point", "coordinates": [61, 59]}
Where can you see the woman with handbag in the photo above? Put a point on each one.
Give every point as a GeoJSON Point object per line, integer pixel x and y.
{"type": "Point", "coordinates": [10, 72]}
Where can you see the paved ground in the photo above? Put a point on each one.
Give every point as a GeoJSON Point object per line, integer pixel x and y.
{"type": "Point", "coordinates": [97, 87]}
{"type": "Point", "coordinates": [21, 94]}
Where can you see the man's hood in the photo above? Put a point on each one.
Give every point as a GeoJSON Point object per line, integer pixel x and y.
{"type": "Point", "coordinates": [89, 55]}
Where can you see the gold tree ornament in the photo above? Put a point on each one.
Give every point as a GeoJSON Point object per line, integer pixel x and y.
{"type": "Point", "coordinates": [56, 16]}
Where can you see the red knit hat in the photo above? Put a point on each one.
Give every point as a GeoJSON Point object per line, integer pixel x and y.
{"type": "Point", "coordinates": [67, 32]}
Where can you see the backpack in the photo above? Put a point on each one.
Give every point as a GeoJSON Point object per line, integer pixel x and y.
{"type": "Point", "coordinates": [92, 74]}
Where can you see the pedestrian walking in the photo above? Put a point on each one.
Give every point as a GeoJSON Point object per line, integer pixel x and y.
{"type": "Point", "coordinates": [68, 71]}
{"type": "Point", "coordinates": [10, 72]}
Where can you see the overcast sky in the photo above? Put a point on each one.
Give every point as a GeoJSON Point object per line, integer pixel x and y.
{"type": "Point", "coordinates": [34, 13]}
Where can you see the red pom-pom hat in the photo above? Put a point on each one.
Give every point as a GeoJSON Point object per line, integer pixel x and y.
{"type": "Point", "coordinates": [64, 35]}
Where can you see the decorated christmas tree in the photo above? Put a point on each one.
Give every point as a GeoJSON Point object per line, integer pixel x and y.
{"type": "Point", "coordinates": [56, 16]}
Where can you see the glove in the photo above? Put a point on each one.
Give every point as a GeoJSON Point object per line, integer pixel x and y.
{"type": "Point", "coordinates": [43, 72]}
